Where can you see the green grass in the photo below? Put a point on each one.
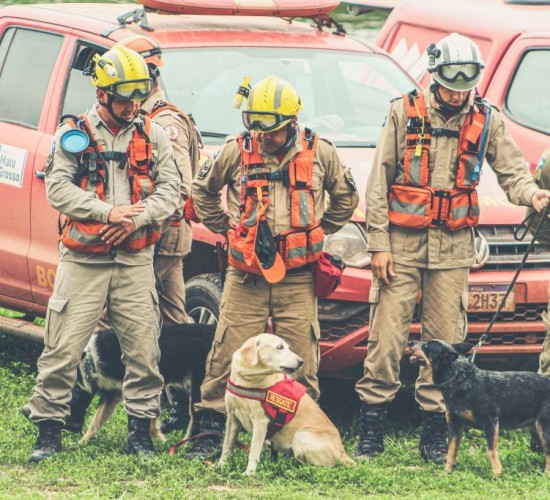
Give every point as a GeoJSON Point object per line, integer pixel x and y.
{"type": "Point", "coordinates": [99, 470]}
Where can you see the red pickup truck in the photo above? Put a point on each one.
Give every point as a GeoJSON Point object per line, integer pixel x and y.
{"type": "Point", "coordinates": [346, 85]}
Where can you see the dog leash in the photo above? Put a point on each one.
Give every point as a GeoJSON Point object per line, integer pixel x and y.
{"type": "Point", "coordinates": [172, 451]}
{"type": "Point", "coordinates": [518, 236]}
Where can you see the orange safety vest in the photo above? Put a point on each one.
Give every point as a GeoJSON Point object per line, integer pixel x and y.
{"type": "Point", "coordinates": [83, 236]}
{"type": "Point", "coordinates": [415, 204]}
{"type": "Point", "coordinates": [300, 245]}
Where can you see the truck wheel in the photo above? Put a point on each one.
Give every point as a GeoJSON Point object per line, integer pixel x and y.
{"type": "Point", "coordinates": [203, 294]}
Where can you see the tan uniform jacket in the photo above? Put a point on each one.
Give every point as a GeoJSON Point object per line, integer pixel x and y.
{"type": "Point", "coordinates": [328, 175]}
{"type": "Point", "coordinates": [69, 199]}
{"type": "Point", "coordinates": [436, 248]}
{"type": "Point", "coordinates": [177, 240]}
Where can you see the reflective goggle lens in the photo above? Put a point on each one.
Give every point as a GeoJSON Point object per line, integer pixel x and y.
{"type": "Point", "coordinates": [263, 122]}
{"type": "Point", "coordinates": [134, 90]}
{"type": "Point", "coordinates": [452, 72]}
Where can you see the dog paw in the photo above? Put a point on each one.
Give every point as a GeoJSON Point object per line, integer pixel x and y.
{"type": "Point", "coordinates": [250, 472]}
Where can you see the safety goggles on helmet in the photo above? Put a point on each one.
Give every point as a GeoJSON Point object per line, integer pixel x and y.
{"type": "Point", "coordinates": [131, 90]}
{"type": "Point", "coordinates": [451, 72]}
{"type": "Point", "coordinates": [264, 121]}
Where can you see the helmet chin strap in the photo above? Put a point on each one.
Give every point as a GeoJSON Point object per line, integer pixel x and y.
{"type": "Point", "coordinates": [447, 108]}
{"type": "Point", "coordinates": [290, 139]}
{"type": "Point", "coordinates": [109, 107]}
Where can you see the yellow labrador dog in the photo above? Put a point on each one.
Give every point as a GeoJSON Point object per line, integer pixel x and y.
{"type": "Point", "coordinates": [310, 436]}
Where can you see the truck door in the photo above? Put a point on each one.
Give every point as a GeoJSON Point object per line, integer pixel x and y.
{"type": "Point", "coordinates": [28, 59]}
{"type": "Point", "coordinates": [73, 95]}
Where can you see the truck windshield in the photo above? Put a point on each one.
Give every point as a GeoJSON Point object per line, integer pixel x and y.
{"type": "Point", "coordinates": [345, 95]}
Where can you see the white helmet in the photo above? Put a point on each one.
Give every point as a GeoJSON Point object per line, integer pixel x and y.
{"type": "Point", "coordinates": [455, 62]}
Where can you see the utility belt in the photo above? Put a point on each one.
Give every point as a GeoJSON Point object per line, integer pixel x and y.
{"type": "Point", "coordinates": [418, 207]}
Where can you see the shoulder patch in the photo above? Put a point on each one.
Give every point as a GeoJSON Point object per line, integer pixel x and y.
{"type": "Point", "coordinates": [204, 170]}
{"type": "Point", "coordinates": [350, 180]}
{"type": "Point", "coordinates": [173, 132]}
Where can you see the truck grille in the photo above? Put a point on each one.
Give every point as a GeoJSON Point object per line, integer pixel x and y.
{"type": "Point", "coordinates": [506, 252]}
{"type": "Point", "coordinates": [335, 330]}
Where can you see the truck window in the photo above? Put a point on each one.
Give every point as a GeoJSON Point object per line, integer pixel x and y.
{"type": "Point", "coordinates": [27, 58]}
{"type": "Point", "coordinates": [528, 100]}
{"type": "Point", "coordinates": [80, 94]}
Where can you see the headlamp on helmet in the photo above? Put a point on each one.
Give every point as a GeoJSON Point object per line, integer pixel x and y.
{"type": "Point", "coordinates": [272, 103]}
{"type": "Point", "coordinates": [455, 63]}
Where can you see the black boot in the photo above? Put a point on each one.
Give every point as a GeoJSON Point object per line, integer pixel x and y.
{"type": "Point", "coordinates": [433, 439]}
{"type": "Point", "coordinates": [139, 437]}
{"type": "Point", "coordinates": [178, 419]}
{"type": "Point", "coordinates": [372, 420]}
{"type": "Point", "coordinates": [209, 445]}
{"type": "Point", "coordinates": [48, 441]}
{"type": "Point", "coordinates": [80, 401]}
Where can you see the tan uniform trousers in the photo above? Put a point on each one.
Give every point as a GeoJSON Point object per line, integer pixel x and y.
{"type": "Point", "coordinates": [444, 302]}
{"type": "Point", "coordinates": [247, 303]}
{"type": "Point", "coordinates": [77, 302]}
{"type": "Point", "coordinates": [171, 287]}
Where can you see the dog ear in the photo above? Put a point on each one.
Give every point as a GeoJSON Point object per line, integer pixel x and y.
{"type": "Point", "coordinates": [249, 352]}
{"type": "Point", "coordinates": [463, 348]}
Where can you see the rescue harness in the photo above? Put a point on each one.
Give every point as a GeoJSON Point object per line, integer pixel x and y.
{"type": "Point", "coordinates": [300, 245]}
{"type": "Point", "coordinates": [83, 236]}
{"type": "Point", "coordinates": [413, 203]}
{"type": "Point", "coordinates": [280, 401]}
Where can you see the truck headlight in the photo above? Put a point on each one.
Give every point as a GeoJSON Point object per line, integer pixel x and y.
{"type": "Point", "coordinates": [350, 243]}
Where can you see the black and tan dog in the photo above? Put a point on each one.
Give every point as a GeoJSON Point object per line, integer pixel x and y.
{"type": "Point", "coordinates": [184, 349]}
{"type": "Point", "coordinates": [486, 400]}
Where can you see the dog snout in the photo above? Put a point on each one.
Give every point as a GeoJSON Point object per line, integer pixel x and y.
{"type": "Point", "coordinates": [299, 362]}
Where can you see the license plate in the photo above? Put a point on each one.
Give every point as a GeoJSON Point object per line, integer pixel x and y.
{"type": "Point", "coordinates": [487, 298]}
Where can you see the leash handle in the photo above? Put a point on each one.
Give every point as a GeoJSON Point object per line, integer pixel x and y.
{"type": "Point", "coordinates": [526, 222]}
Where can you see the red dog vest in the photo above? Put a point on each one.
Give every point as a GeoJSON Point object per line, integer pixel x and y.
{"type": "Point", "coordinates": [280, 401]}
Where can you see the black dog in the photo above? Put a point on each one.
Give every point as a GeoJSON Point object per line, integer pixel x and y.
{"type": "Point", "coordinates": [486, 400]}
{"type": "Point", "coordinates": [184, 349]}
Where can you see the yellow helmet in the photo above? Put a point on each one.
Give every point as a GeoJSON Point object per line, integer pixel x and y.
{"type": "Point", "coordinates": [272, 104]}
{"type": "Point", "coordinates": [146, 47]}
{"type": "Point", "coordinates": [123, 73]}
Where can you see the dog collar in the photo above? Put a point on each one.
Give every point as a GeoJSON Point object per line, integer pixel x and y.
{"type": "Point", "coordinates": [280, 401]}
{"type": "Point", "coordinates": [447, 382]}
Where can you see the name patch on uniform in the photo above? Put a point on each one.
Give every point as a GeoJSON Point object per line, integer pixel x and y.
{"type": "Point", "coordinates": [204, 170]}
{"type": "Point", "coordinates": [173, 132]}
{"type": "Point", "coordinates": [12, 165]}
{"type": "Point", "coordinates": [281, 401]}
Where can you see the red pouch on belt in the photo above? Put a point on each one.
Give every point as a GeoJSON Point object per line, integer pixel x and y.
{"type": "Point", "coordinates": [327, 273]}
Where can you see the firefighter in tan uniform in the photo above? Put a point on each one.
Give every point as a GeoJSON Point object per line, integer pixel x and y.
{"type": "Point", "coordinates": [421, 209]}
{"type": "Point", "coordinates": [542, 177]}
{"type": "Point", "coordinates": [113, 175]}
{"type": "Point", "coordinates": [176, 240]}
{"type": "Point", "coordinates": [277, 177]}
